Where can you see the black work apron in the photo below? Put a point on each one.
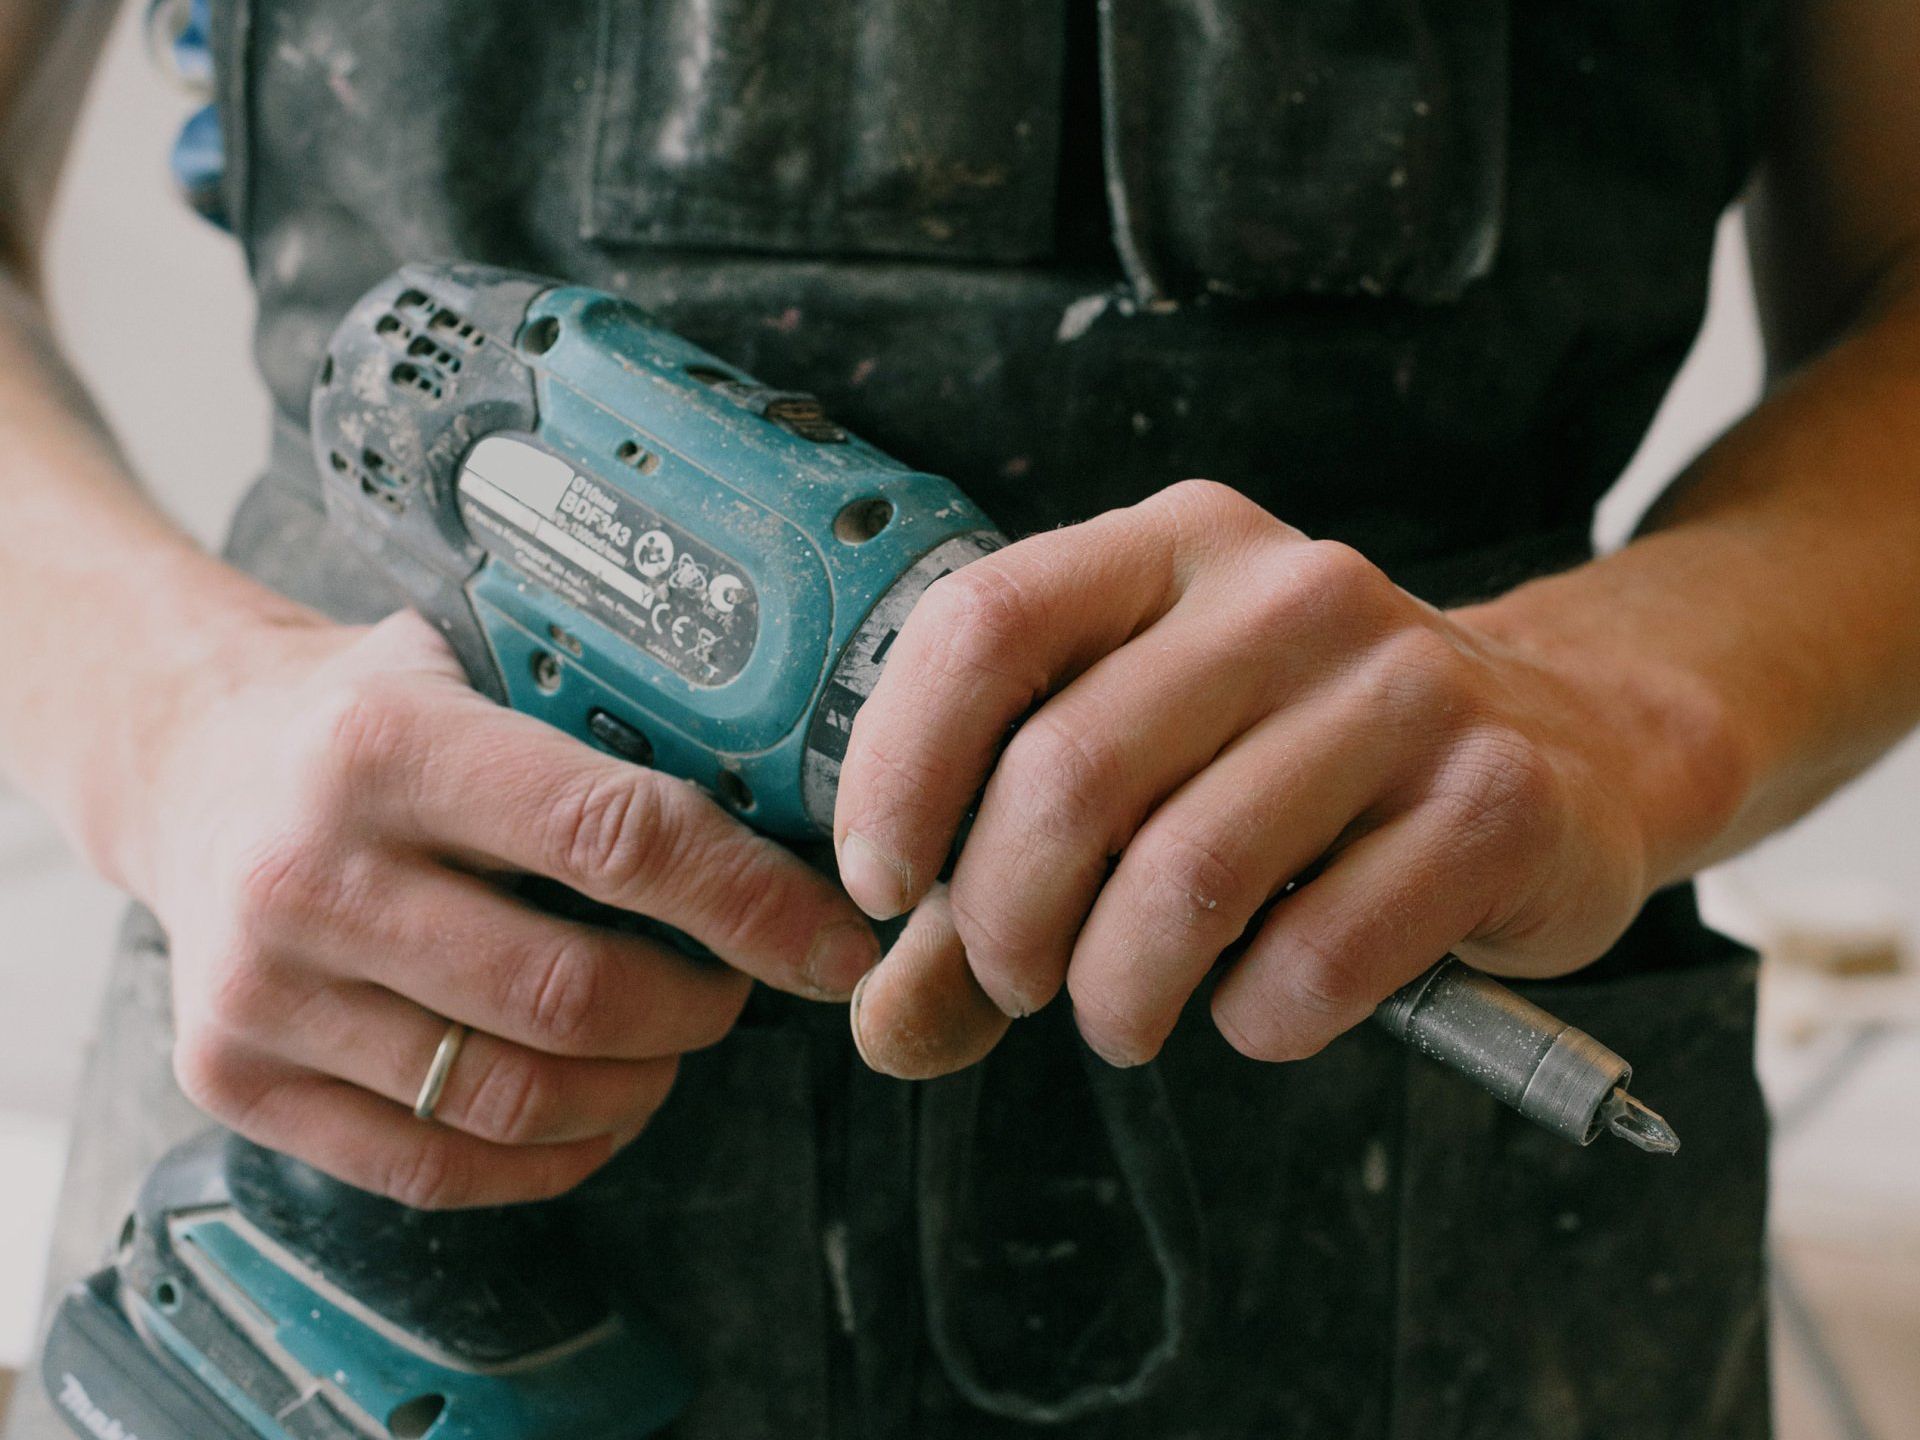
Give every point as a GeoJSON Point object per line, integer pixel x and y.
{"type": "Point", "coordinates": [1413, 276]}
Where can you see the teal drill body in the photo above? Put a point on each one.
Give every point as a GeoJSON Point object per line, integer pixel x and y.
{"type": "Point", "coordinates": [625, 535]}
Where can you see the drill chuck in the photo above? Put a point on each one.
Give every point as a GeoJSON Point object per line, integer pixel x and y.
{"type": "Point", "coordinates": [1554, 1074]}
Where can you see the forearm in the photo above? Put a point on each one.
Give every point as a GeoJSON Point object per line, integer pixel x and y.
{"type": "Point", "coordinates": [1767, 617]}
{"type": "Point", "coordinates": [118, 621]}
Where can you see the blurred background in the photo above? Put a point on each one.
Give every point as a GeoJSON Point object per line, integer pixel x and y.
{"type": "Point", "coordinates": [153, 307]}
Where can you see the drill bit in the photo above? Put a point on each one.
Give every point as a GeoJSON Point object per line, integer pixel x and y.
{"type": "Point", "coordinates": [1637, 1124]}
{"type": "Point", "coordinates": [1557, 1076]}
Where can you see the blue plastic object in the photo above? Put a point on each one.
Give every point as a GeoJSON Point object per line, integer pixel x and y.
{"type": "Point", "coordinates": [198, 159]}
{"type": "Point", "coordinates": [617, 1382]}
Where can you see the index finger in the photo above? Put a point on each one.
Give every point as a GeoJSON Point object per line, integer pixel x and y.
{"type": "Point", "coordinates": [979, 649]}
{"type": "Point", "coordinates": [510, 790]}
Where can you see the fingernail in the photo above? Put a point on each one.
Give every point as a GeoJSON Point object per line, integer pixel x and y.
{"type": "Point", "coordinates": [1010, 1002]}
{"type": "Point", "coordinates": [1112, 1057]}
{"type": "Point", "coordinates": [878, 883]}
{"type": "Point", "coordinates": [1118, 1062]}
{"type": "Point", "coordinates": [842, 955]}
{"type": "Point", "coordinates": [853, 1021]}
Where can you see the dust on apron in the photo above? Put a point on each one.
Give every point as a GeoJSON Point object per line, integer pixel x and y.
{"type": "Point", "coordinates": [1412, 274]}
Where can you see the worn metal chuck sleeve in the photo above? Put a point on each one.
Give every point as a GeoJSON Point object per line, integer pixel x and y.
{"type": "Point", "coordinates": [1543, 1067]}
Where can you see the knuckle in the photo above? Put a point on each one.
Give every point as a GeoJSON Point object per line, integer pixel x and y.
{"type": "Point", "coordinates": [1064, 776]}
{"type": "Point", "coordinates": [515, 1100]}
{"type": "Point", "coordinates": [571, 997]}
{"type": "Point", "coordinates": [242, 991]}
{"type": "Point", "coordinates": [982, 614]}
{"type": "Point", "coordinates": [1321, 587]}
{"type": "Point", "coordinates": [427, 1175]}
{"type": "Point", "coordinates": [206, 1069]}
{"type": "Point", "coordinates": [1203, 496]}
{"type": "Point", "coordinates": [1416, 671]}
{"type": "Point", "coordinates": [1207, 514]}
{"type": "Point", "coordinates": [1498, 789]}
{"type": "Point", "coordinates": [1324, 978]}
{"type": "Point", "coordinates": [998, 942]}
{"type": "Point", "coordinates": [365, 728]}
{"type": "Point", "coordinates": [284, 882]}
{"type": "Point", "coordinates": [615, 830]}
{"type": "Point", "coordinates": [1338, 566]}
{"type": "Point", "coordinates": [1313, 989]}
{"type": "Point", "coordinates": [1337, 582]}
{"type": "Point", "coordinates": [1195, 882]}
{"type": "Point", "coordinates": [563, 998]}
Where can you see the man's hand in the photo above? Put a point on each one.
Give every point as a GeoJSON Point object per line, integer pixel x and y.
{"type": "Point", "coordinates": [329, 841]}
{"type": "Point", "coordinates": [1211, 706]}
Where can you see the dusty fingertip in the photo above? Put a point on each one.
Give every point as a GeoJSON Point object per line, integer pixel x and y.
{"type": "Point", "coordinates": [920, 1013]}
{"type": "Point", "coordinates": [880, 883]}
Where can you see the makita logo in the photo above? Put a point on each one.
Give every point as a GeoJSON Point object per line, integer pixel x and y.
{"type": "Point", "coordinates": [95, 1421]}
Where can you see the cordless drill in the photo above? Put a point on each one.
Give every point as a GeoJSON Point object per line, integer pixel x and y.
{"type": "Point", "coordinates": [635, 541]}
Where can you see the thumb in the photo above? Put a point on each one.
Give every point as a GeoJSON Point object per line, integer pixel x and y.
{"type": "Point", "coordinates": [921, 1012]}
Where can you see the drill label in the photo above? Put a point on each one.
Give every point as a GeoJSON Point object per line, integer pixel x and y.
{"type": "Point", "coordinates": [854, 677]}
{"type": "Point", "coordinates": [609, 556]}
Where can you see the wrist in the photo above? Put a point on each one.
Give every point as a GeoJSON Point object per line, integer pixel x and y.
{"type": "Point", "coordinates": [1658, 732]}
{"type": "Point", "coordinates": [202, 633]}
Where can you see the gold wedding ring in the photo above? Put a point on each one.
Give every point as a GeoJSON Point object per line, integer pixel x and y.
{"type": "Point", "coordinates": [439, 1070]}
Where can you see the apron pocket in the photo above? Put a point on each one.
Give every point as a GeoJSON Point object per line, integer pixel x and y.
{"type": "Point", "coordinates": [891, 128]}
